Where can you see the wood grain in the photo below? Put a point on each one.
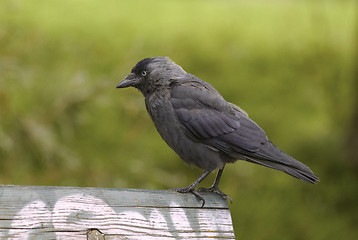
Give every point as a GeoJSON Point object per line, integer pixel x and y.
{"type": "Point", "coordinates": [39, 212]}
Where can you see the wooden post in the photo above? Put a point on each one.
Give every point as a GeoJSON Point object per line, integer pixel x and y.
{"type": "Point", "coordinates": [38, 212]}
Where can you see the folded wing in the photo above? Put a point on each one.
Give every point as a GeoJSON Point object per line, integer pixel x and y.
{"type": "Point", "coordinates": [209, 119]}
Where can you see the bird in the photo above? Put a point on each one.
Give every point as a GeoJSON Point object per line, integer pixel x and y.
{"type": "Point", "coordinates": [202, 127]}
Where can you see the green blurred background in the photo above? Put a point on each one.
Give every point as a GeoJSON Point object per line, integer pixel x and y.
{"type": "Point", "coordinates": [291, 64]}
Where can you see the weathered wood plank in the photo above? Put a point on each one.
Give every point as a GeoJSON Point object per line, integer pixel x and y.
{"type": "Point", "coordinates": [77, 213]}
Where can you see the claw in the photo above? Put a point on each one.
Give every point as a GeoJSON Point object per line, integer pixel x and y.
{"type": "Point", "coordinates": [216, 190]}
{"type": "Point", "coordinates": [191, 190]}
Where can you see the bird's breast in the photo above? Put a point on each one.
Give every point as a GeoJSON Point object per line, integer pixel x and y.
{"type": "Point", "coordinates": [163, 116]}
{"type": "Point", "coordinates": [162, 113]}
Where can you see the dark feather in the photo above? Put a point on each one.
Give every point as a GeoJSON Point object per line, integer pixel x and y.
{"type": "Point", "coordinates": [209, 119]}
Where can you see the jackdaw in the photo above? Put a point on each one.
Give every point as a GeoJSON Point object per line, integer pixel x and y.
{"type": "Point", "coordinates": [202, 127]}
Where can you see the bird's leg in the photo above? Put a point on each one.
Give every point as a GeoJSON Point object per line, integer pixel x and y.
{"type": "Point", "coordinates": [192, 187]}
{"type": "Point", "coordinates": [215, 186]}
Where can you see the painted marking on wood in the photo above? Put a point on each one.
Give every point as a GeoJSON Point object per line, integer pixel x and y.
{"type": "Point", "coordinates": [28, 212]}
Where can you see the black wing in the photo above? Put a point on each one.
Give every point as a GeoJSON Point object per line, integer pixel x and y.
{"type": "Point", "coordinates": [209, 119]}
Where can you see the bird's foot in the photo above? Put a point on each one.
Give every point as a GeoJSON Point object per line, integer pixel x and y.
{"type": "Point", "coordinates": [216, 190]}
{"type": "Point", "coordinates": [191, 190]}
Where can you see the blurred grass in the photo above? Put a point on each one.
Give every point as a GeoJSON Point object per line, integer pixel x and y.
{"type": "Point", "coordinates": [289, 64]}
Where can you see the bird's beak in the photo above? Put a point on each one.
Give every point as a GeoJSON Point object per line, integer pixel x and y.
{"type": "Point", "coordinates": [129, 81]}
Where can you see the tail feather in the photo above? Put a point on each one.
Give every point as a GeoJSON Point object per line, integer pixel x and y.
{"type": "Point", "coordinates": [272, 157]}
{"type": "Point", "coordinates": [297, 173]}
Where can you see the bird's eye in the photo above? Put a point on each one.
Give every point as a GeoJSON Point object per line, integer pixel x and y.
{"type": "Point", "coordinates": [144, 73]}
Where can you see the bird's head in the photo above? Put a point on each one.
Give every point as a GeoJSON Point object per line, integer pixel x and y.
{"type": "Point", "coordinates": [151, 74]}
